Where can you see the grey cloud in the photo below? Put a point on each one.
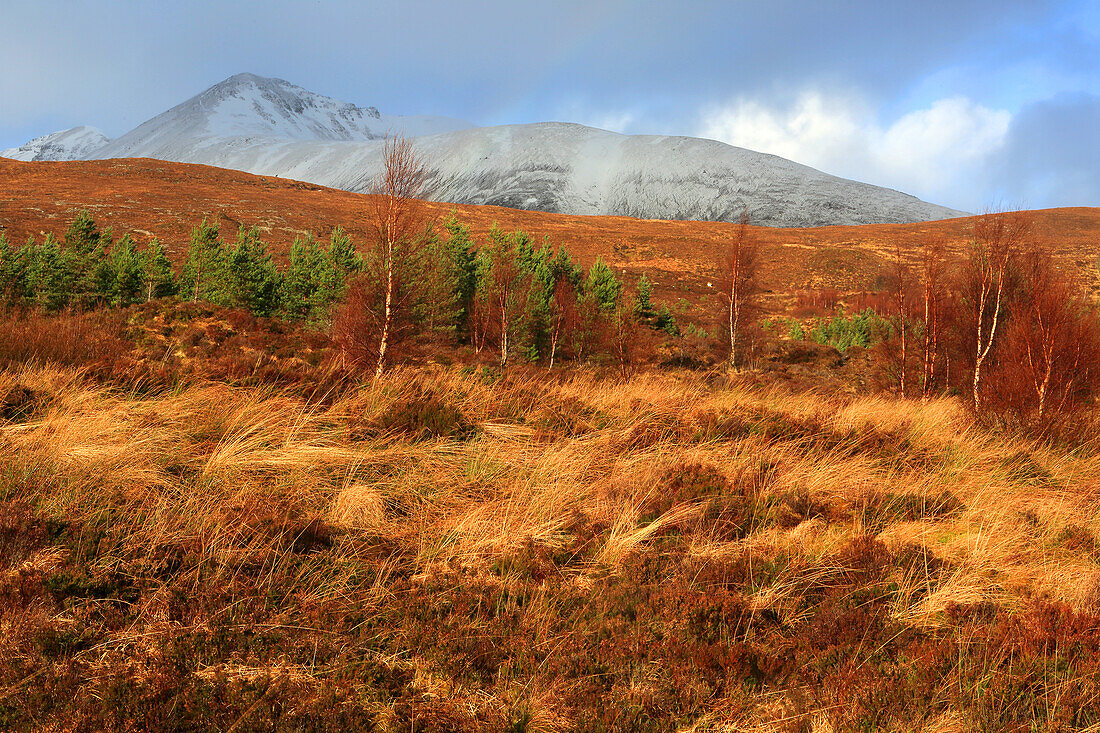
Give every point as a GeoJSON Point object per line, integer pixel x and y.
{"type": "Point", "coordinates": [1052, 154]}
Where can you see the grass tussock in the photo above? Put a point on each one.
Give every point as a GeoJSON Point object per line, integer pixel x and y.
{"type": "Point", "coordinates": [449, 550]}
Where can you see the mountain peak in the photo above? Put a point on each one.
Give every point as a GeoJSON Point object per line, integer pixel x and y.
{"type": "Point", "coordinates": [256, 107]}
{"type": "Point", "coordinates": [72, 144]}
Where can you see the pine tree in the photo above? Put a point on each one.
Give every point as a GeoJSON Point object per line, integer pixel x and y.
{"type": "Point", "coordinates": [438, 305]}
{"type": "Point", "coordinates": [159, 279]}
{"type": "Point", "coordinates": [86, 252]}
{"type": "Point", "coordinates": [642, 298]}
{"type": "Point", "coordinates": [539, 264]}
{"type": "Point", "coordinates": [13, 272]}
{"type": "Point", "coordinates": [460, 250]}
{"type": "Point", "coordinates": [344, 263]}
{"type": "Point", "coordinates": [603, 285]}
{"type": "Point", "coordinates": [124, 274]}
{"type": "Point", "coordinates": [304, 278]}
{"type": "Point", "coordinates": [203, 275]}
{"type": "Point", "coordinates": [51, 273]}
{"type": "Point", "coordinates": [251, 275]}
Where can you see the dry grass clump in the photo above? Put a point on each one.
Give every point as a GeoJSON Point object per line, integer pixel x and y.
{"type": "Point", "coordinates": [454, 550]}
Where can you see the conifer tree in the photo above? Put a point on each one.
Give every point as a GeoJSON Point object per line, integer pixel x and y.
{"type": "Point", "coordinates": [86, 253]}
{"type": "Point", "coordinates": [603, 285]}
{"type": "Point", "coordinates": [460, 250]}
{"type": "Point", "coordinates": [13, 272]}
{"type": "Point", "coordinates": [251, 275]}
{"type": "Point", "coordinates": [303, 281]}
{"type": "Point", "coordinates": [343, 264]}
{"type": "Point", "coordinates": [642, 303]}
{"type": "Point", "coordinates": [440, 281]}
{"type": "Point", "coordinates": [202, 277]}
{"type": "Point", "coordinates": [159, 279]}
{"type": "Point", "coordinates": [123, 274]}
{"type": "Point", "coordinates": [51, 273]}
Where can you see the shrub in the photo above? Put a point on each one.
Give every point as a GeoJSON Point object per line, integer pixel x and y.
{"type": "Point", "coordinates": [423, 417]}
{"type": "Point", "coordinates": [87, 340]}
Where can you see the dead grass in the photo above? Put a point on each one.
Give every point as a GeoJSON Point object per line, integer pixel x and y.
{"type": "Point", "coordinates": [676, 551]}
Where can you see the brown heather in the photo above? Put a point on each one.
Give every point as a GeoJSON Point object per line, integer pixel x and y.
{"type": "Point", "coordinates": [444, 551]}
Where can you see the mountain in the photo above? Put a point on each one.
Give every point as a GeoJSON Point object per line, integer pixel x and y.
{"type": "Point", "coordinates": [247, 107]}
{"type": "Point", "coordinates": [271, 127]}
{"type": "Point", "coordinates": [76, 143]}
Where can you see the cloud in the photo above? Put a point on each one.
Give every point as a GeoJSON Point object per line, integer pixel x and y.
{"type": "Point", "coordinates": [1051, 156]}
{"type": "Point", "coordinates": [934, 153]}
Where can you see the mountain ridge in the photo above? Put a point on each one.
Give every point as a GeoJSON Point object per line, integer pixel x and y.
{"type": "Point", "coordinates": [271, 127]}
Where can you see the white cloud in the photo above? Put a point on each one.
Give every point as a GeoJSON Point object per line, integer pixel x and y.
{"type": "Point", "coordinates": [938, 153]}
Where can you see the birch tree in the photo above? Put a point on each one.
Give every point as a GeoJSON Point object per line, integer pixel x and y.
{"type": "Point", "coordinates": [738, 281]}
{"type": "Point", "coordinates": [931, 283]}
{"type": "Point", "coordinates": [996, 239]}
{"type": "Point", "coordinates": [398, 216]}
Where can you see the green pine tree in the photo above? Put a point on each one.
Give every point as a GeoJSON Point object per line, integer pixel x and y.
{"type": "Point", "coordinates": [124, 274]}
{"type": "Point", "coordinates": [436, 300]}
{"type": "Point", "coordinates": [13, 272]}
{"type": "Point", "coordinates": [642, 298]}
{"type": "Point", "coordinates": [51, 274]}
{"type": "Point", "coordinates": [203, 275]}
{"type": "Point", "coordinates": [304, 290]}
{"type": "Point", "coordinates": [86, 250]}
{"type": "Point", "coordinates": [251, 275]}
{"type": "Point", "coordinates": [160, 281]}
{"type": "Point", "coordinates": [603, 285]}
{"type": "Point", "coordinates": [460, 250]}
{"type": "Point", "coordinates": [341, 263]}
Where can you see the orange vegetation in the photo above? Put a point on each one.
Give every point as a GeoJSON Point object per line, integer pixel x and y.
{"type": "Point", "coordinates": [157, 198]}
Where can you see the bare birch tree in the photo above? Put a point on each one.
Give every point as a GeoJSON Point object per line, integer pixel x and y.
{"type": "Point", "coordinates": [931, 281]}
{"type": "Point", "coordinates": [901, 297]}
{"type": "Point", "coordinates": [996, 239]}
{"type": "Point", "coordinates": [1051, 343]}
{"type": "Point", "coordinates": [398, 214]}
{"type": "Point", "coordinates": [738, 281]}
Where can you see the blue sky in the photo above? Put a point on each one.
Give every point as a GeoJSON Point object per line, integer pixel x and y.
{"type": "Point", "coordinates": [968, 104]}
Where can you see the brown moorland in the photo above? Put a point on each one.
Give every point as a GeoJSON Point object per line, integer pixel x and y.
{"type": "Point", "coordinates": [205, 527]}
{"type": "Point", "coordinates": [157, 198]}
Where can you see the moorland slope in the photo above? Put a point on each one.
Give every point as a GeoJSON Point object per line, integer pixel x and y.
{"type": "Point", "coordinates": [156, 198]}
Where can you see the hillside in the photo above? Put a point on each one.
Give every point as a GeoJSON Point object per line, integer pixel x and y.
{"type": "Point", "coordinates": [211, 520]}
{"type": "Point", "coordinates": [272, 127]}
{"type": "Point", "coordinates": [156, 198]}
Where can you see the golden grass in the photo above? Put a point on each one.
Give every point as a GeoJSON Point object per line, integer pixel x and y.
{"type": "Point", "coordinates": [215, 466]}
{"type": "Point", "coordinates": [184, 457]}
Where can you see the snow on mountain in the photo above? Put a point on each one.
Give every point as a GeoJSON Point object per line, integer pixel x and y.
{"type": "Point", "coordinates": [567, 168]}
{"type": "Point", "coordinates": [76, 143]}
{"type": "Point", "coordinates": [250, 106]}
{"type": "Point", "coordinates": [272, 127]}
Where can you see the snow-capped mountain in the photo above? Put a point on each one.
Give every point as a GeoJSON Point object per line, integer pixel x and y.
{"type": "Point", "coordinates": [271, 127]}
{"type": "Point", "coordinates": [75, 143]}
{"type": "Point", "coordinates": [249, 107]}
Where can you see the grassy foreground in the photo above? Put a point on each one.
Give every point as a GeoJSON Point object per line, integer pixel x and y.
{"type": "Point", "coordinates": [457, 551]}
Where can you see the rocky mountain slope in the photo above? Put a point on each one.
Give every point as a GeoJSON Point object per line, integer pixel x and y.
{"type": "Point", "coordinates": [271, 127]}
{"type": "Point", "coordinates": [75, 143]}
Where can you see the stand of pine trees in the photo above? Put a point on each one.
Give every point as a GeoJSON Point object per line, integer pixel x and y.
{"type": "Point", "coordinates": [507, 295]}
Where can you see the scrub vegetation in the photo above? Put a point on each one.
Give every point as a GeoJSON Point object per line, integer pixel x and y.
{"type": "Point", "coordinates": [439, 482]}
